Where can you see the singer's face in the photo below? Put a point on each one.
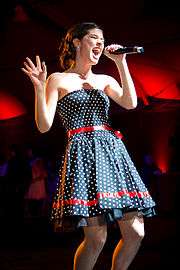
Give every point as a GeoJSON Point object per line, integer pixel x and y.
{"type": "Point", "coordinates": [92, 45]}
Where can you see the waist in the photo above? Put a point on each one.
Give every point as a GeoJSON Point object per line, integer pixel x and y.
{"type": "Point", "coordinates": [93, 128]}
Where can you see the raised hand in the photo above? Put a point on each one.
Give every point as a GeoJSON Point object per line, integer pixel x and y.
{"type": "Point", "coordinates": [37, 74]}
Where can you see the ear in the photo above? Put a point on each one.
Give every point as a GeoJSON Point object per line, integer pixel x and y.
{"type": "Point", "coordinates": [76, 42]}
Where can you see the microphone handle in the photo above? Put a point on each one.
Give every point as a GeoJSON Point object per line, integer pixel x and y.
{"type": "Point", "coordinates": [128, 50]}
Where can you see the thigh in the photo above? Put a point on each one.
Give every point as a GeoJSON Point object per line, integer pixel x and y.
{"type": "Point", "coordinates": [131, 224]}
{"type": "Point", "coordinates": [95, 228]}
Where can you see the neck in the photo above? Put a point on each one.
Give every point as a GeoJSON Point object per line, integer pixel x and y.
{"type": "Point", "coordinates": [84, 75]}
{"type": "Point", "coordinates": [82, 71]}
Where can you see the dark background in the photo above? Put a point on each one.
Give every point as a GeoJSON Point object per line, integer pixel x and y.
{"type": "Point", "coordinates": [36, 27]}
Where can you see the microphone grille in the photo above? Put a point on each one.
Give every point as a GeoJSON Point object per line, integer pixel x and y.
{"type": "Point", "coordinates": [140, 49]}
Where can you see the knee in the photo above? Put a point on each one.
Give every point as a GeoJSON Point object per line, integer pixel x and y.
{"type": "Point", "coordinates": [138, 235]}
{"type": "Point", "coordinates": [134, 237]}
{"type": "Point", "coordinates": [98, 240]}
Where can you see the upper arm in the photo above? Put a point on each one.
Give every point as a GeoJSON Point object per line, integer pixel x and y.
{"type": "Point", "coordinates": [113, 89]}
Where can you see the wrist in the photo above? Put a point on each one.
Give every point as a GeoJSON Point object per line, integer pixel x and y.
{"type": "Point", "coordinates": [122, 65]}
{"type": "Point", "coordinates": [40, 88]}
{"type": "Point", "coordinates": [40, 92]}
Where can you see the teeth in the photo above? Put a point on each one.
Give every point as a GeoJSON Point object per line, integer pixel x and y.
{"type": "Point", "coordinates": [96, 52]}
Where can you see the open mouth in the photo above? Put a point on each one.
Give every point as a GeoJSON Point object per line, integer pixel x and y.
{"type": "Point", "coordinates": [96, 52]}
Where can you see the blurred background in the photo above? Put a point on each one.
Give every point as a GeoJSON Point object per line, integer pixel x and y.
{"type": "Point", "coordinates": [151, 131]}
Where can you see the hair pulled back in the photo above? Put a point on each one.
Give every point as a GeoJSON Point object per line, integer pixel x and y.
{"type": "Point", "coordinates": [67, 49]}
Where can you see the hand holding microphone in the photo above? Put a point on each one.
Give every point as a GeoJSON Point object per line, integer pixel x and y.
{"type": "Point", "coordinates": [116, 49]}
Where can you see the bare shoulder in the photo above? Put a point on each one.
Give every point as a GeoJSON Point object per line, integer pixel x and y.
{"type": "Point", "coordinates": [55, 76]}
{"type": "Point", "coordinates": [55, 80]}
{"type": "Point", "coordinates": [106, 78]}
{"type": "Point", "coordinates": [108, 81]}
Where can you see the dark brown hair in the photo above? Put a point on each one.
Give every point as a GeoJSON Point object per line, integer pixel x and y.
{"type": "Point", "coordinates": [67, 49]}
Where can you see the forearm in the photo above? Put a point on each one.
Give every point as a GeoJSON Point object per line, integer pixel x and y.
{"type": "Point", "coordinates": [41, 111]}
{"type": "Point", "coordinates": [129, 97]}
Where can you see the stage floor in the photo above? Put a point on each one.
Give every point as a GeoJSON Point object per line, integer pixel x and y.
{"type": "Point", "coordinates": [34, 246]}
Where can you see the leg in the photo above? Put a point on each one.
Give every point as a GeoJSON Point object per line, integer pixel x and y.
{"type": "Point", "coordinates": [132, 231]}
{"type": "Point", "coordinates": [87, 253]}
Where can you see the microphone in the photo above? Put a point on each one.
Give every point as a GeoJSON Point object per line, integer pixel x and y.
{"type": "Point", "coordinates": [128, 50]}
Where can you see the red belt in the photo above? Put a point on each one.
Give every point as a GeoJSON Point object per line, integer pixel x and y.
{"type": "Point", "coordinates": [93, 128]}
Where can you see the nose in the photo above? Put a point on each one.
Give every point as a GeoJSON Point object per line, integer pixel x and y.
{"type": "Point", "coordinates": [99, 43]}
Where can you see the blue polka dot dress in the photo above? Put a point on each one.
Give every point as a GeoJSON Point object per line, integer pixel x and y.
{"type": "Point", "coordinates": [97, 177]}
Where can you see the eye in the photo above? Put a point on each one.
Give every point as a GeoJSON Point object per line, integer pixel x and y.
{"type": "Point", "coordinates": [96, 37]}
{"type": "Point", "coordinates": [93, 36]}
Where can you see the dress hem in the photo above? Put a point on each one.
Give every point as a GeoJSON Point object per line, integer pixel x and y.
{"type": "Point", "coordinates": [74, 222]}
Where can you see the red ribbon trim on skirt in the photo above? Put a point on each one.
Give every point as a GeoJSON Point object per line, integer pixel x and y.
{"type": "Point", "coordinates": [93, 128]}
{"type": "Point", "coordinates": [101, 195]}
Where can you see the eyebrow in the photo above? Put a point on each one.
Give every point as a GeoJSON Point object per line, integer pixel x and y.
{"type": "Point", "coordinates": [96, 36]}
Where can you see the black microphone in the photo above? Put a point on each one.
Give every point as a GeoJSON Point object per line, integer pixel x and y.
{"type": "Point", "coordinates": [128, 50]}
